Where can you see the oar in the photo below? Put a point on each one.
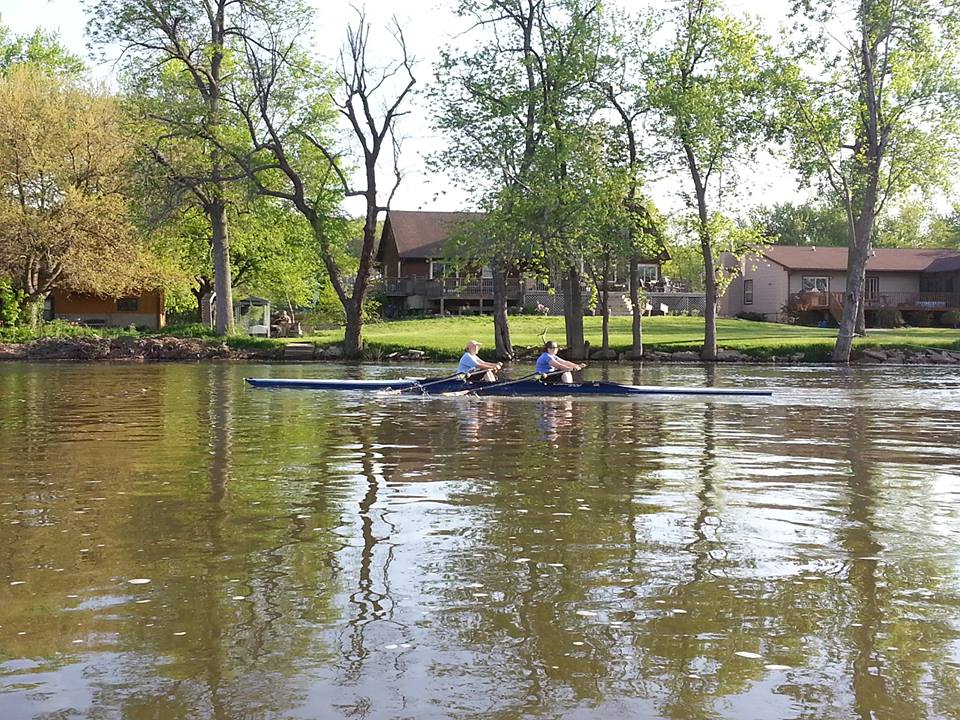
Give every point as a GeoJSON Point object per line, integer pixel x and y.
{"type": "Point", "coordinates": [480, 388]}
{"type": "Point", "coordinates": [464, 376]}
{"type": "Point", "coordinates": [455, 376]}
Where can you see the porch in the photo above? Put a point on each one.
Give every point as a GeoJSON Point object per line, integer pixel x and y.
{"type": "Point", "coordinates": [902, 301]}
{"type": "Point", "coordinates": [447, 288]}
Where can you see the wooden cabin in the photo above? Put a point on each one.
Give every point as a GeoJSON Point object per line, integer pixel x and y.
{"type": "Point", "coordinates": [144, 310]}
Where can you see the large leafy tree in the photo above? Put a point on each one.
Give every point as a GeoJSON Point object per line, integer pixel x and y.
{"type": "Point", "coordinates": [319, 138]}
{"type": "Point", "coordinates": [811, 223]}
{"type": "Point", "coordinates": [515, 107]}
{"type": "Point", "coordinates": [179, 53]}
{"type": "Point", "coordinates": [41, 49]}
{"type": "Point", "coordinates": [63, 212]}
{"type": "Point", "coordinates": [273, 253]}
{"type": "Point", "coordinates": [874, 115]}
{"type": "Point", "coordinates": [711, 86]}
{"type": "Point", "coordinates": [623, 84]}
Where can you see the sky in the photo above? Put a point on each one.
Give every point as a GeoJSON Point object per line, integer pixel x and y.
{"type": "Point", "coordinates": [428, 25]}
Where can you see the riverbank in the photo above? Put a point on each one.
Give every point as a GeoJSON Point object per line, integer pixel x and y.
{"type": "Point", "coordinates": [93, 347]}
{"type": "Point", "coordinates": [666, 339]}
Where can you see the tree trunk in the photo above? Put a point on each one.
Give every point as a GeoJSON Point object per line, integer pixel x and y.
{"type": "Point", "coordinates": [857, 256]}
{"type": "Point", "coordinates": [605, 307]}
{"type": "Point", "coordinates": [33, 311]}
{"type": "Point", "coordinates": [223, 322]}
{"type": "Point", "coordinates": [709, 351]}
{"type": "Point", "coordinates": [861, 327]}
{"type": "Point", "coordinates": [636, 349]}
{"type": "Point", "coordinates": [710, 301]}
{"type": "Point", "coordinates": [501, 321]}
{"type": "Point", "coordinates": [573, 315]}
{"type": "Point", "coordinates": [353, 332]}
{"type": "Point", "coordinates": [856, 266]}
{"type": "Point", "coordinates": [200, 293]}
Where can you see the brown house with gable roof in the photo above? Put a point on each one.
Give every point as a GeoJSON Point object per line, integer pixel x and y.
{"type": "Point", "coordinates": [416, 275]}
{"type": "Point", "coordinates": [809, 283]}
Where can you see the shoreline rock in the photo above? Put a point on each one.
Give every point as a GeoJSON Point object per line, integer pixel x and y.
{"type": "Point", "coordinates": [89, 348]}
{"type": "Point", "coordinates": [173, 349]}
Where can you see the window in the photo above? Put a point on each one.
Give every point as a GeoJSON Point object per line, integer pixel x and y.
{"type": "Point", "coordinates": [872, 288]}
{"type": "Point", "coordinates": [813, 283]}
{"type": "Point", "coordinates": [748, 292]}
{"type": "Point", "coordinates": [648, 273]}
{"type": "Point", "coordinates": [438, 270]}
{"type": "Point", "coordinates": [127, 305]}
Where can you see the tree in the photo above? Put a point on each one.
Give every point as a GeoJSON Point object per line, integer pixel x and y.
{"type": "Point", "coordinates": [186, 46]}
{"type": "Point", "coordinates": [63, 214]}
{"type": "Point", "coordinates": [624, 88]}
{"type": "Point", "coordinates": [811, 223]}
{"type": "Point", "coordinates": [710, 88]}
{"type": "Point", "coordinates": [273, 251]}
{"type": "Point", "coordinates": [40, 49]}
{"type": "Point", "coordinates": [514, 108]}
{"type": "Point", "coordinates": [877, 118]}
{"type": "Point", "coordinates": [291, 115]}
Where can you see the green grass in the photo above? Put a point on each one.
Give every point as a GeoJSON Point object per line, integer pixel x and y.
{"type": "Point", "coordinates": [446, 337]}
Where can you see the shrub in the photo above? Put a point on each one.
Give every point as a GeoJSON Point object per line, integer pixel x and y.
{"type": "Point", "coordinates": [919, 319]}
{"type": "Point", "coordinates": [751, 316]}
{"type": "Point", "coordinates": [889, 318]}
{"type": "Point", "coordinates": [189, 330]}
{"type": "Point", "coordinates": [9, 304]}
{"type": "Point", "coordinates": [951, 317]}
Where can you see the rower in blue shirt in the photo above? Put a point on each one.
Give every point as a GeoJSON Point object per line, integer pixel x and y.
{"type": "Point", "coordinates": [471, 366]}
{"type": "Point", "coordinates": [553, 368]}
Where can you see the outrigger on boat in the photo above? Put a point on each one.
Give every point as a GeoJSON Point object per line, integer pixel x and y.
{"type": "Point", "coordinates": [530, 387]}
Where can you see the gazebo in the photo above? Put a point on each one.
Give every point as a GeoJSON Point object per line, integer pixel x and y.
{"type": "Point", "coordinates": [252, 316]}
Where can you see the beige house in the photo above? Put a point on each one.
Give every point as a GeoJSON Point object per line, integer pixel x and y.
{"type": "Point", "coordinates": [808, 284]}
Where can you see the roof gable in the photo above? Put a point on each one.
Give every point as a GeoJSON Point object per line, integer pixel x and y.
{"type": "Point", "coordinates": [420, 234]}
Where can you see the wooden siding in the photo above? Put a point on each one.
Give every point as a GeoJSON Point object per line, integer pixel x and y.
{"type": "Point", "coordinates": [102, 310]}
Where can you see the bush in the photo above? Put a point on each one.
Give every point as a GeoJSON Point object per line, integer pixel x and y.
{"type": "Point", "coordinates": [10, 300]}
{"type": "Point", "coordinates": [919, 319]}
{"type": "Point", "coordinates": [889, 318]}
{"type": "Point", "coordinates": [189, 330]}
{"type": "Point", "coordinates": [751, 316]}
{"type": "Point", "coordinates": [951, 318]}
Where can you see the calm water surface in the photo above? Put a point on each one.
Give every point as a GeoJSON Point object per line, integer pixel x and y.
{"type": "Point", "coordinates": [321, 555]}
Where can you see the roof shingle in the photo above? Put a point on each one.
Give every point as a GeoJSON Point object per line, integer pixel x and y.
{"type": "Point", "coordinates": [795, 257]}
{"type": "Point", "coordinates": [422, 234]}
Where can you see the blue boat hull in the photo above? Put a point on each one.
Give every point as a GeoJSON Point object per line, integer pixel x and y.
{"type": "Point", "coordinates": [522, 388]}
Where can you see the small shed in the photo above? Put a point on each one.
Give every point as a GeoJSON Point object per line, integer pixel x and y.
{"type": "Point", "coordinates": [252, 316]}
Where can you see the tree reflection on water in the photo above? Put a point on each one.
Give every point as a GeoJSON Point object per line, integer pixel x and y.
{"type": "Point", "coordinates": [319, 555]}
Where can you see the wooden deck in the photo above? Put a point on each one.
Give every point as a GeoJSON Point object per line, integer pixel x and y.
{"type": "Point", "coordinates": [447, 288]}
{"type": "Point", "coordinates": [903, 301]}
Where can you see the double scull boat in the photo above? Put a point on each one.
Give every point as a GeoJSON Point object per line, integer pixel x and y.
{"type": "Point", "coordinates": [507, 388]}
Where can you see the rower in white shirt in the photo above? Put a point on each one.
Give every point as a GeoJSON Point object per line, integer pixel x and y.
{"type": "Point", "coordinates": [470, 364]}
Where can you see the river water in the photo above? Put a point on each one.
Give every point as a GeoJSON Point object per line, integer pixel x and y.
{"type": "Point", "coordinates": [174, 544]}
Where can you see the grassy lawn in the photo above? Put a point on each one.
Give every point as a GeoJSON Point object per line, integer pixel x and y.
{"type": "Point", "coordinates": [446, 337]}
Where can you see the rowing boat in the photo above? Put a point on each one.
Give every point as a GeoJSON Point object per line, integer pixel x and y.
{"type": "Point", "coordinates": [516, 388]}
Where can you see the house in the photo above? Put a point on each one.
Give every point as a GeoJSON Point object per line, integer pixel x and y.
{"type": "Point", "coordinates": [143, 310]}
{"type": "Point", "coordinates": [808, 284]}
{"type": "Point", "coordinates": [417, 276]}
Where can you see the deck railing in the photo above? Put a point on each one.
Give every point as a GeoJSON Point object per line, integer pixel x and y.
{"type": "Point", "coordinates": [877, 301]}
{"type": "Point", "coordinates": [452, 288]}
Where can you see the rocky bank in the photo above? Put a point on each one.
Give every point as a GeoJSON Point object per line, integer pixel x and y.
{"type": "Point", "coordinates": [160, 348]}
